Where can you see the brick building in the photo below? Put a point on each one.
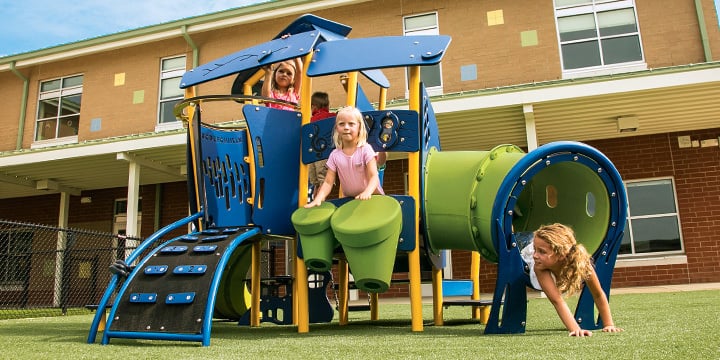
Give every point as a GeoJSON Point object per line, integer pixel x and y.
{"type": "Point", "coordinates": [637, 79]}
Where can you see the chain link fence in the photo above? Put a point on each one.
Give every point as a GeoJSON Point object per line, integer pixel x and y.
{"type": "Point", "coordinates": [50, 271]}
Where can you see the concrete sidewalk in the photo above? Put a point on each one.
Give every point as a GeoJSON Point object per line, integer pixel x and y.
{"type": "Point", "coordinates": [665, 288]}
{"type": "Point", "coordinates": [533, 294]}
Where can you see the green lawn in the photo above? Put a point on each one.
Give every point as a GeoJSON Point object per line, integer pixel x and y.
{"type": "Point", "coordinates": [679, 325]}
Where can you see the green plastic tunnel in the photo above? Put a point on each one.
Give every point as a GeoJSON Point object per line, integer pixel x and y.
{"type": "Point", "coordinates": [473, 199]}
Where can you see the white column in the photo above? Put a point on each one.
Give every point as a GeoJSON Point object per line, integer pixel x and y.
{"type": "Point", "coordinates": [530, 131]}
{"type": "Point", "coordinates": [131, 225]}
{"type": "Point", "coordinates": [61, 246]}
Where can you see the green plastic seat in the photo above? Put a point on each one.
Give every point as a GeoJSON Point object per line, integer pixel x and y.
{"type": "Point", "coordinates": [368, 231]}
{"type": "Point", "coordinates": [316, 237]}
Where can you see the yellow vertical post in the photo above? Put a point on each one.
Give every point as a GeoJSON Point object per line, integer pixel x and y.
{"type": "Point", "coordinates": [374, 313]}
{"type": "Point", "coordinates": [301, 315]}
{"type": "Point", "coordinates": [255, 284]}
{"type": "Point", "coordinates": [189, 93]}
{"type": "Point", "coordinates": [343, 291]}
{"type": "Point", "coordinates": [475, 277]}
{"type": "Point", "coordinates": [414, 191]}
{"type": "Point", "coordinates": [352, 81]}
{"type": "Point", "coordinates": [437, 296]}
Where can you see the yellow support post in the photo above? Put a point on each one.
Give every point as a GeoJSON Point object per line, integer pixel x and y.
{"type": "Point", "coordinates": [475, 277]}
{"type": "Point", "coordinates": [352, 81]}
{"type": "Point", "coordinates": [437, 296]}
{"type": "Point", "coordinates": [255, 284]}
{"type": "Point", "coordinates": [414, 191]}
{"type": "Point", "coordinates": [301, 315]}
{"type": "Point", "coordinates": [190, 93]}
{"type": "Point", "coordinates": [343, 291]}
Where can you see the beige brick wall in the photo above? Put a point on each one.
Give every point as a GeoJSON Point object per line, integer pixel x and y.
{"type": "Point", "coordinates": [669, 30]}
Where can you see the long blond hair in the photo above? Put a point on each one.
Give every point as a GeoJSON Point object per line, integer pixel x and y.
{"type": "Point", "coordinates": [577, 265]}
{"type": "Point", "coordinates": [362, 131]}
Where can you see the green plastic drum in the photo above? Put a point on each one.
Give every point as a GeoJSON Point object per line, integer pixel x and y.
{"type": "Point", "coordinates": [460, 188]}
{"type": "Point", "coordinates": [368, 231]}
{"type": "Point", "coordinates": [316, 237]}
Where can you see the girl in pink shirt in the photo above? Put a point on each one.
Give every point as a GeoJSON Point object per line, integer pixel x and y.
{"type": "Point", "coordinates": [281, 83]}
{"type": "Point", "coordinates": [352, 160]}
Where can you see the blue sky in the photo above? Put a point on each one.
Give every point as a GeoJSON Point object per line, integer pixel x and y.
{"type": "Point", "coordinates": [29, 25]}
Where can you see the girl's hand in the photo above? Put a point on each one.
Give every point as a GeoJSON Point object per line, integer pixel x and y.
{"type": "Point", "coordinates": [312, 204]}
{"type": "Point", "coordinates": [581, 333]}
{"type": "Point", "coordinates": [612, 328]}
{"type": "Point", "coordinates": [364, 196]}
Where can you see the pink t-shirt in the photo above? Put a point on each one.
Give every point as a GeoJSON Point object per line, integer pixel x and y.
{"type": "Point", "coordinates": [351, 169]}
{"type": "Point", "coordinates": [290, 96]}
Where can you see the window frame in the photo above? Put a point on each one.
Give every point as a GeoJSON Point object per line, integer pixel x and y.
{"type": "Point", "coordinates": [628, 230]}
{"type": "Point", "coordinates": [164, 75]}
{"type": "Point", "coordinates": [594, 7]}
{"type": "Point", "coordinates": [59, 94]}
{"type": "Point", "coordinates": [10, 259]}
{"type": "Point", "coordinates": [427, 30]}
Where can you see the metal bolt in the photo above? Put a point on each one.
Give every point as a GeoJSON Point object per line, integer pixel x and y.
{"type": "Point", "coordinates": [575, 158]}
{"type": "Point", "coordinates": [524, 182]}
{"type": "Point", "coordinates": [199, 320]}
{"type": "Point", "coordinates": [147, 327]}
{"type": "Point", "coordinates": [547, 162]}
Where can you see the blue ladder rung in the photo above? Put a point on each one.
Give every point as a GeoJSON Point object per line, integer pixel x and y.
{"type": "Point", "coordinates": [230, 230]}
{"type": "Point", "coordinates": [214, 238]}
{"type": "Point", "coordinates": [190, 269]}
{"type": "Point", "coordinates": [143, 298]}
{"type": "Point", "coordinates": [180, 298]}
{"type": "Point", "coordinates": [189, 238]}
{"type": "Point", "coordinates": [174, 249]}
{"type": "Point", "coordinates": [210, 231]}
{"type": "Point", "coordinates": [205, 248]}
{"type": "Point", "coordinates": [156, 269]}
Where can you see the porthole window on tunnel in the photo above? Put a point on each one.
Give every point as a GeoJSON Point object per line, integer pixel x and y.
{"type": "Point", "coordinates": [551, 196]}
{"type": "Point", "coordinates": [590, 204]}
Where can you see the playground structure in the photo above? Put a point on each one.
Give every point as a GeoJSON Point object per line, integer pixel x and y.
{"type": "Point", "coordinates": [247, 182]}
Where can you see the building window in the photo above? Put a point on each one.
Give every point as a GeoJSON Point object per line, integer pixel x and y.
{"type": "Point", "coordinates": [58, 113]}
{"type": "Point", "coordinates": [653, 225]}
{"type": "Point", "coordinates": [598, 34]}
{"type": "Point", "coordinates": [425, 24]}
{"type": "Point", "coordinates": [14, 259]}
{"type": "Point", "coordinates": [171, 72]}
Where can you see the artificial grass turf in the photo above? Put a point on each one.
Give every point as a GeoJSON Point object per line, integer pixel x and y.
{"type": "Point", "coordinates": [672, 325]}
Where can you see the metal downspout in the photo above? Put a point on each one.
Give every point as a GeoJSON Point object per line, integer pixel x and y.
{"type": "Point", "coordinates": [183, 30]}
{"type": "Point", "coordinates": [703, 31]}
{"type": "Point", "coordinates": [23, 105]}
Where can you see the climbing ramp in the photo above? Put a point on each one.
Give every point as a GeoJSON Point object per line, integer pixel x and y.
{"type": "Point", "coordinates": [172, 292]}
